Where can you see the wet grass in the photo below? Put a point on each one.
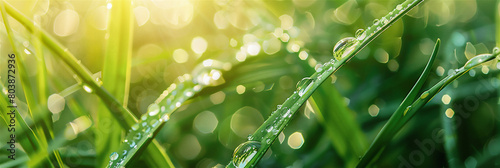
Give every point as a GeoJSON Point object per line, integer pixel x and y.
{"type": "Point", "coordinates": [289, 90]}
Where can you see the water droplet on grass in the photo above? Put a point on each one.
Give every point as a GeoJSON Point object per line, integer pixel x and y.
{"type": "Point", "coordinates": [153, 109]}
{"type": "Point", "coordinates": [399, 7]}
{"type": "Point", "coordinates": [303, 85]}
{"type": "Point", "coordinates": [113, 156]}
{"type": "Point", "coordinates": [344, 47]}
{"type": "Point", "coordinates": [165, 117]}
{"type": "Point", "coordinates": [87, 89]}
{"type": "Point", "coordinates": [245, 152]}
{"type": "Point", "coordinates": [360, 34]}
{"type": "Point", "coordinates": [137, 136]}
{"type": "Point", "coordinates": [424, 95]}
{"type": "Point", "coordinates": [132, 144]}
{"type": "Point", "coordinates": [154, 122]}
{"type": "Point", "coordinates": [375, 22]}
{"type": "Point", "coordinates": [406, 110]}
{"type": "Point", "coordinates": [135, 127]}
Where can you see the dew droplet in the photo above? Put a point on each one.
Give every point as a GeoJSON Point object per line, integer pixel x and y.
{"type": "Point", "coordinates": [144, 117]}
{"type": "Point", "coordinates": [375, 22]}
{"type": "Point", "coordinates": [154, 122]}
{"type": "Point", "coordinates": [165, 117]}
{"type": "Point", "coordinates": [132, 144]}
{"type": "Point", "coordinates": [344, 47]}
{"type": "Point", "coordinates": [153, 109]}
{"type": "Point", "coordinates": [360, 34]}
{"type": "Point", "coordinates": [124, 153]}
{"type": "Point", "coordinates": [250, 137]}
{"type": "Point", "coordinates": [268, 129]}
{"type": "Point", "coordinates": [384, 21]}
{"type": "Point", "coordinates": [406, 110]}
{"type": "Point", "coordinates": [268, 141]}
{"type": "Point", "coordinates": [399, 7]}
{"type": "Point", "coordinates": [424, 95]}
{"type": "Point", "coordinates": [304, 85]}
{"type": "Point", "coordinates": [244, 153]}
{"type": "Point", "coordinates": [87, 89]}
{"type": "Point", "coordinates": [137, 136]}
{"type": "Point", "coordinates": [135, 127]}
{"type": "Point", "coordinates": [113, 156]}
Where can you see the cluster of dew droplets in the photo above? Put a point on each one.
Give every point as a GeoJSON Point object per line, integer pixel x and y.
{"type": "Point", "coordinates": [171, 99]}
{"type": "Point", "coordinates": [245, 152]}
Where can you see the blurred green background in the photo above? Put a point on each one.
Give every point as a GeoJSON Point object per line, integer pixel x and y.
{"type": "Point", "coordinates": [266, 47]}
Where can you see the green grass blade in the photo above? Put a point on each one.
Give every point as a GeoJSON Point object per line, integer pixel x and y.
{"type": "Point", "coordinates": [25, 135]}
{"type": "Point", "coordinates": [116, 76]}
{"type": "Point", "coordinates": [388, 130]}
{"type": "Point", "coordinates": [43, 129]}
{"type": "Point", "coordinates": [344, 132]}
{"type": "Point", "coordinates": [122, 114]}
{"type": "Point", "coordinates": [141, 134]}
{"type": "Point", "coordinates": [249, 153]}
{"type": "Point", "coordinates": [400, 118]}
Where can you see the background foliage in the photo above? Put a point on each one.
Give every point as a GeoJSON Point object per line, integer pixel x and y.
{"type": "Point", "coordinates": [266, 47]}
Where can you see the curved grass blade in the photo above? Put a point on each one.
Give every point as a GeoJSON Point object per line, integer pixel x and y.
{"type": "Point", "coordinates": [249, 153]}
{"type": "Point", "coordinates": [120, 113]}
{"type": "Point", "coordinates": [158, 113]}
{"type": "Point", "coordinates": [400, 117]}
{"type": "Point", "coordinates": [388, 130]}
{"type": "Point", "coordinates": [116, 76]}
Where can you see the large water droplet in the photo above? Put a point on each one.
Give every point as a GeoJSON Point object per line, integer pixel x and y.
{"type": "Point", "coordinates": [153, 109]}
{"type": "Point", "coordinates": [303, 85]}
{"type": "Point", "coordinates": [245, 152]}
{"type": "Point", "coordinates": [344, 47]}
{"type": "Point", "coordinates": [113, 156]}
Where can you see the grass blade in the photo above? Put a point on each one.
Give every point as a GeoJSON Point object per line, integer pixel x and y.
{"type": "Point", "coordinates": [388, 131]}
{"type": "Point", "coordinates": [116, 76]}
{"type": "Point", "coordinates": [342, 129]}
{"type": "Point", "coordinates": [400, 118]}
{"type": "Point", "coordinates": [44, 129]}
{"type": "Point", "coordinates": [249, 153]}
{"type": "Point", "coordinates": [122, 114]}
